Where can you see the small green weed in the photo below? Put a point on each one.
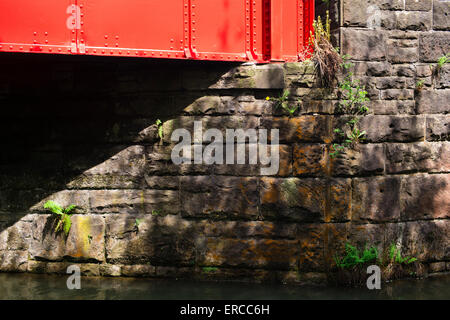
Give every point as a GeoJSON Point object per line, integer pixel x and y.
{"type": "Point", "coordinates": [353, 102]}
{"type": "Point", "coordinates": [282, 101]}
{"type": "Point", "coordinates": [160, 128]}
{"type": "Point", "coordinates": [395, 256]}
{"type": "Point", "coordinates": [353, 257]}
{"type": "Point", "coordinates": [209, 269]}
{"type": "Point", "coordinates": [63, 215]}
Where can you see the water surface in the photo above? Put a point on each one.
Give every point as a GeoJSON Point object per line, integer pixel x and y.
{"type": "Point", "coordinates": [36, 286]}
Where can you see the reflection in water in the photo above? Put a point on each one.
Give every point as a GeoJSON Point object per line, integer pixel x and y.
{"type": "Point", "coordinates": [33, 286]}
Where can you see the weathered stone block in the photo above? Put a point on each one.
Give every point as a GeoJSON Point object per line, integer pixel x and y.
{"type": "Point", "coordinates": [310, 159]}
{"type": "Point", "coordinates": [357, 13]}
{"type": "Point", "coordinates": [340, 200]}
{"type": "Point", "coordinates": [134, 201]}
{"type": "Point", "coordinates": [378, 69]}
{"type": "Point", "coordinates": [402, 51]}
{"type": "Point", "coordinates": [48, 267]}
{"type": "Point", "coordinates": [85, 241]}
{"type": "Point", "coordinates": [162, 182]}
{"type": "Point", "coordinates": [247, 229]}
{"type": "Point", "coordinates": [249, 169]}
{"type": "Point", "coordinates": [426, 240]}
{"type": "Point", "coordinates": [160, 163]}
{"type": "Point", "coordinates": [392, 107]}
{"type": "Point", "coordinates": [393, 128]}
{"type": "Point", "coordinates": [254, 253]}
{"type": "Point", "coordinates": [105, 181]}
{"type": "Point", "coordinates": [366, 159]}
{"type": "Point", "coordinates": [166, 240]}
{"type": "Point", "coordinates": [433, 101]}
{"type": "Point", "coordinates": [318, 106]}
{"type": "Point", "coordinates": [307, 94]}
{"type": "Point", "coordinates": [65, 198]}
{"type": "Point", "coordinates": [17, 236]}
{"type": "Point", "coordinates": [436, 267]}
{"type": "Point", "coordinates": [364, 45]}
{"type": "Point", "coordinates": [404, 158]}
{"type": "Point", "coordinates": [433, 46]}
{"type": "Point", "coordinates": [300, 129]}
{"type": "Point", "coordinates": [438, 127]}
{"type": "Point", "coordinates": [390, 83]}
{"type": "Point", "coordinates": [380, 235]}
{"type": "Point", "coordinates": [109, 270]}
{"type": "Point", "coordinates": [299, 68]}
{"type": "Point", "coordinates": [418, 5]}
{"type": "Point", "coordinates": [442, 79]}
{"type": "Point", "coordinates": [293, 199]}
{"type": "Point", "coordinates": [404, 70]}
{"type": "Point", "coordinates": [424, 70]}
{"type": "Point", "coordinates": [219, 197]}
{"type": "Point", "coordinates": [221, 123]}
{"type": "Point", "coordinates": [376, 199]}
{"type": "Point", "coordinates": [138, 270]}
{"type": "Point", "coordinates": [414, 20]}
{"type": "Point", "coordinates": [441, 12]}
{"type": "Point", "coordinates": [122, 170]}
{"type": "Point", "coordinates": [206, 105]}
{"type": "Point", "coordinates": [269, 76]}
{"type": "Point", "coordinates": [397, 94]}
{"type": "Point", "coordinates": [13, 261]}
{"type": "Point", "coordinates": [425, 197]}
{"type": "Point", "coordinates": [311, 242]}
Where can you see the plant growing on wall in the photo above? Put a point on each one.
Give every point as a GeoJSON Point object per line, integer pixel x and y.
{"type": "Point", "coordinates": [396, 257]}
{"type": "Point", "coordinates": [63, 220]}
{"type": "Point", "coordinates": [354, 257]}
{"type": "Point", "coordinates": [159, 125]}
{"type": "Point", "coordinates": [441, 62]}
{"type": "Point", "coordinates": [352, 265]}
{"type": "Point", "coordinates": [326, 58]}
{"type": "Point", "coordinates": [282, 101]}
{"type": "Point", "coordinates": [209, 269]}
{"type": "Point", "coordinates": [420, 84]}
{"type": "Point", "coordinates": [353, 102]}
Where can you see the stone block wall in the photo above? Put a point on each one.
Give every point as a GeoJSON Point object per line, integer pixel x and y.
{"type": "Point", "coordinates": [81, 130]}
{"type": "Point", "coordinates": [395, 46]}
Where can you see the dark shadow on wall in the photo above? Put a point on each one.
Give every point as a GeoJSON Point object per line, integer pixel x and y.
{"type": "Point", "coordinates": [62, 115]}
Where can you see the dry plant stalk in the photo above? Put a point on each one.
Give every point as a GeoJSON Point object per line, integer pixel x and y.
{"type": "Point", "coordinates": [326, 58]}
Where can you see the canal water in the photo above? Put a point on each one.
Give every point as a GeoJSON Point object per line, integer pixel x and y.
{"type": "Point", "coordinates": [53, 287]}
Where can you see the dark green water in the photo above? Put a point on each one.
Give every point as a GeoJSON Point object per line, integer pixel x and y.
{"type": "Point", "coordinates": [32, 286]}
